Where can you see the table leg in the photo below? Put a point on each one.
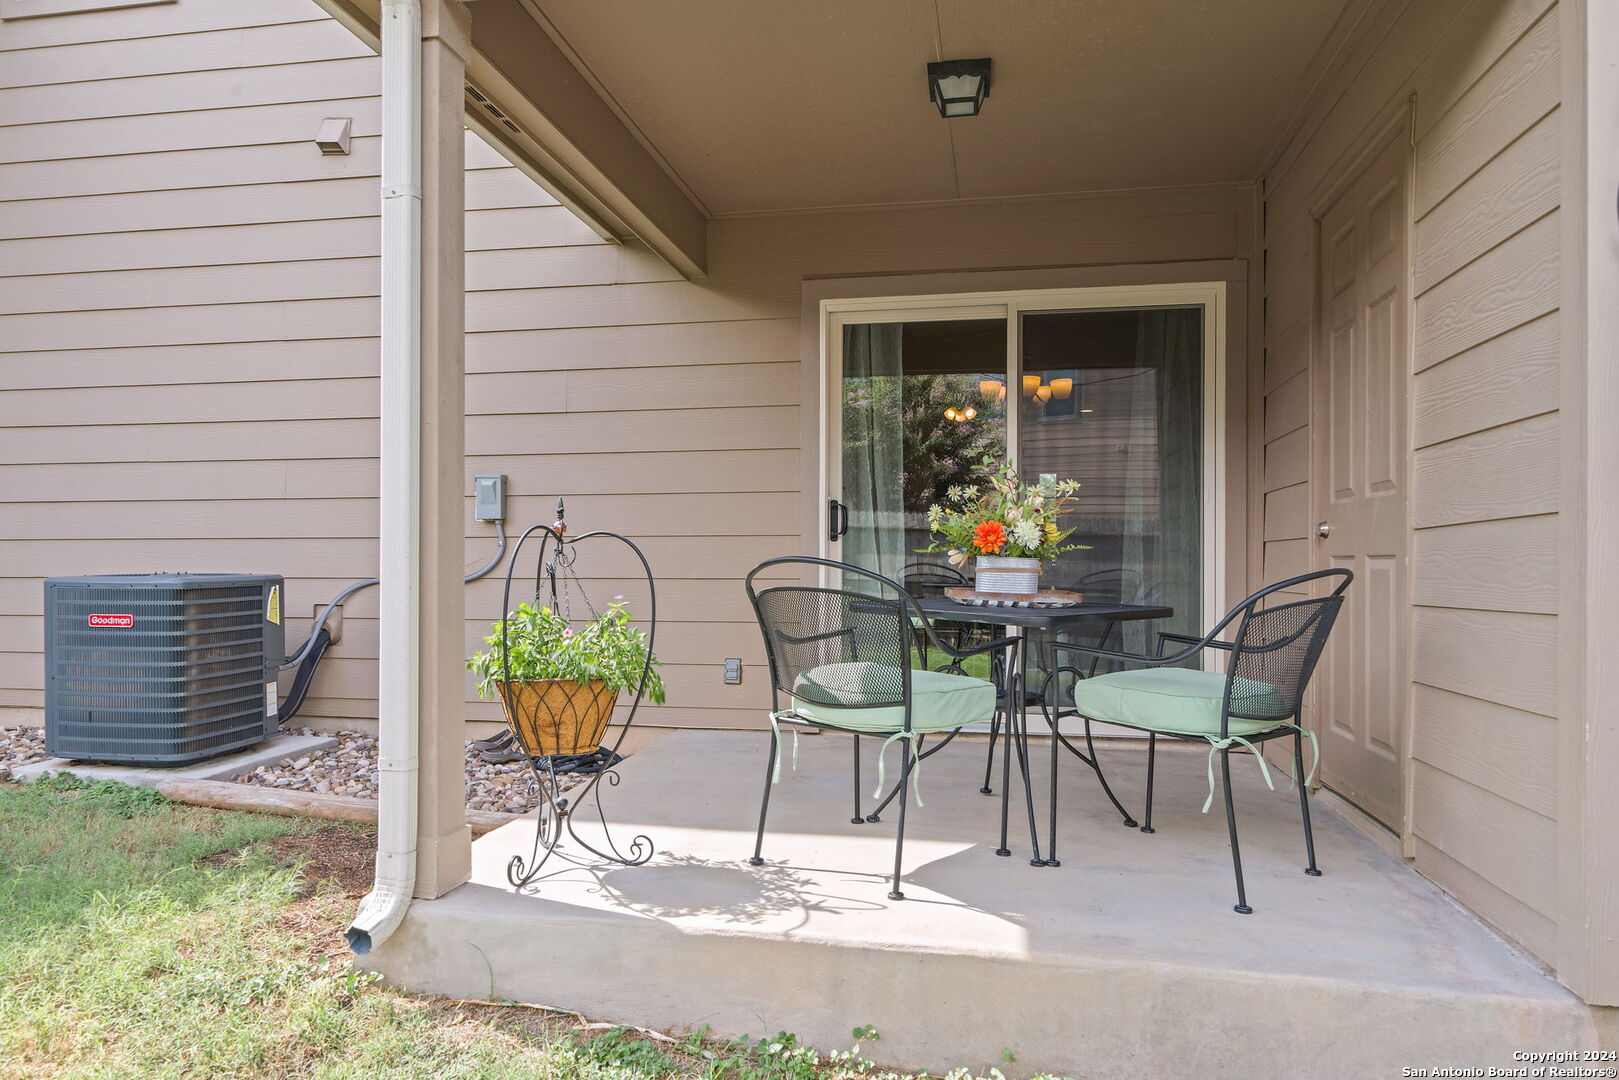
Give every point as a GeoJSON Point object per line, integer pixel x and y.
{"type": "Point", "coordinates": [1028, 779]}
{"type": "Point", "coordinates": [1056, 751]}
{"type": "Point", "coordinates": [1014, 697]}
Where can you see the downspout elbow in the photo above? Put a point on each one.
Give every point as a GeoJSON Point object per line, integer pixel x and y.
{"type": "Point", "coordinates": [384, 907]}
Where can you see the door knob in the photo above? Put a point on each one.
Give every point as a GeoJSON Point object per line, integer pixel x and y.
{"type": "Point", "coordinates": [1323, 529]}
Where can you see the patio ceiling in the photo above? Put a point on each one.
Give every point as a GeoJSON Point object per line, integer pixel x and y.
{"type": "Point", "coordinates": [649, 118]}
{"type": "Point", "coordinates": [776, 106]}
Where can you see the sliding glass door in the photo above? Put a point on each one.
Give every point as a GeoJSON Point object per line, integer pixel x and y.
{"type": "Point", "coordinates": [1118, 396]}
{"type": "Point", "coordinates": [914, 423]}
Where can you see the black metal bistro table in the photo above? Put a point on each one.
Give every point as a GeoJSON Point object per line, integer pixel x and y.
{"type": "Point", "coordinates": [1023, 621]}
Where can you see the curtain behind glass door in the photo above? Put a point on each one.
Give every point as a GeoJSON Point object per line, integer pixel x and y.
{"type": "Point", "coordinates": [1122, 412]}
{"type": "Point", "coordinates": [922, 407]}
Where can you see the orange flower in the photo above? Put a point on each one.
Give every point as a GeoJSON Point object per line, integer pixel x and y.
{"type": "Point", "coordinates": [989, 537]}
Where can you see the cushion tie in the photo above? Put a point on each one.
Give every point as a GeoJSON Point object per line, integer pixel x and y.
{"type": "Point", "coordinates": [1216, 745]}
{"type": "Point", "coordinates": [882, 764]}
{"type": "Point", "coordinates": [775, 735]}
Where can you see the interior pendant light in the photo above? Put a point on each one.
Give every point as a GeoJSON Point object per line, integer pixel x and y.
{"type": "Point", "coordinates": [1062, 389]}
{"type": "Point", "coordinates": [959, 87]}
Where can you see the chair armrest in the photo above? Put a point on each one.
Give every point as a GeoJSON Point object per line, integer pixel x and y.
{"type": "Point", "coordinates": [1197, 646]}
{"type": "Point", "coordinates": [1165, 637]}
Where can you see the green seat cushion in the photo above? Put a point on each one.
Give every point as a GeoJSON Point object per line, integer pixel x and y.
{"type": "Point", "coordinates": [1176, 701]}
{"type": "Point", "coordinates": [939, 701]}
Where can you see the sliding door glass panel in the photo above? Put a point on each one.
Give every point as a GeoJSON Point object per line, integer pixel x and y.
{"type": "Point", "coordinates": [1114, 399]}
{"type": "Point", "coordinates": [921, 408]}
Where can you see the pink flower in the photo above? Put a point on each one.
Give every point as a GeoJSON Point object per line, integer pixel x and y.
{"type": "Point", "coordinates": [567, 632]}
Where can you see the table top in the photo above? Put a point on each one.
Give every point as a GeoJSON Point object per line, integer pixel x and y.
{"type": "Point", "coordinates": [941, 607]}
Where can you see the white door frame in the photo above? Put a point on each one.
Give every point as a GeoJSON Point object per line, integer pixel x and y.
{"type": "Point", "coordinates": [1010, 305]}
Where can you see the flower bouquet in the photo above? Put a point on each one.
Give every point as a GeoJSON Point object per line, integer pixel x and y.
{"type": "Point", "coordinates": [1011, 528]}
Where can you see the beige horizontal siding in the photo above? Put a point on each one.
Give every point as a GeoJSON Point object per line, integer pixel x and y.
{"type": "Point", "coordinates": [188, 302]}
{"type": "Point", "coordinates": [1486, 451]}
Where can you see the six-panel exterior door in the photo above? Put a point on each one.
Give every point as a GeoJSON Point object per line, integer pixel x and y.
{"type": "Point", "coordinates": [1361, 379]}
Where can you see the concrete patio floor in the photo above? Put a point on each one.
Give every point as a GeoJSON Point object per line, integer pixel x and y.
{"type": "Point", "coordinates": [1127, 961]}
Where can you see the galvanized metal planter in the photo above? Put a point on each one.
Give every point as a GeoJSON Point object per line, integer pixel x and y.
{"type": "Point", "coordinates": [1013, 577]}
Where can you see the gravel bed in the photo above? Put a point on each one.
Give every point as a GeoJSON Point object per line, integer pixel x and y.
{"type": "Point", "coordinates": [349, 768]}
{"type": "Point", "coordinates": [20, 746]}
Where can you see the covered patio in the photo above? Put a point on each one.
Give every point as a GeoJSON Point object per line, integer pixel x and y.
{"type": "Point", "coordinates": [1342, 242]}
{"type": "Point", "coordinates": [1124, 962]}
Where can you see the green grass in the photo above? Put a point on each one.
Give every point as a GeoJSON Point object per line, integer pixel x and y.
{"type": "Point", "coordinates": [976, 666]}
{"type": "Point", "coordinates": [141, 938]}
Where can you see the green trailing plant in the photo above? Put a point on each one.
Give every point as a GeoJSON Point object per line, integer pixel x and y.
{"type": "Point", "coordinates": [541, 644]}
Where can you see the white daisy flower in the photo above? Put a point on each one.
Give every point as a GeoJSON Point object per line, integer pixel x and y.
{"type": "Point", "coordinates": [1026, 533]}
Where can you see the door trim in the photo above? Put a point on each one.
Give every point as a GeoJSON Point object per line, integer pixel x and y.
{"type": "Point", "coordinates": [834, 314]}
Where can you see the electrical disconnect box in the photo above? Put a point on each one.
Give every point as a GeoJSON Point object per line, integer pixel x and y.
{"type": "Point", "coordinates": [489, 497]}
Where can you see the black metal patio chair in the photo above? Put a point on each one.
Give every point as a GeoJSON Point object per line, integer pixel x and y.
{"type": "Point", "coordinates": [841, 657]}
{"type": "Point", "coordinates": [1257, 698]}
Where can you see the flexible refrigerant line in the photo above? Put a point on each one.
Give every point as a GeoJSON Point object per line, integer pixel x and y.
{"type": "Point", "coordinates": [326, 613]}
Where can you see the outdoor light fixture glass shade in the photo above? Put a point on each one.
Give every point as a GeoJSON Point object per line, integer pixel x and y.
{"type": "Point", "coordinates": [959, 87]}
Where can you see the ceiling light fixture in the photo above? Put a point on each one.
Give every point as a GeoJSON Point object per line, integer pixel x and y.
{"type": "Point", "coordinates": [959, 415]}
{"type": "Point", "coordinates": [958, 87]}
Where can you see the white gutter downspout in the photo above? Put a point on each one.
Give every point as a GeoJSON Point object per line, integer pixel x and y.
{"type": "Point", "coordinates": [398, 698]}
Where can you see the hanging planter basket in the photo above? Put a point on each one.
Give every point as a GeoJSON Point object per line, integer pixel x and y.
{"type": "Point", "coordinates": [557, 716]}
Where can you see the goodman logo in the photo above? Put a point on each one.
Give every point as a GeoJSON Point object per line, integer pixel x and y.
{"type": "Point", "coordinates": [112, 620]}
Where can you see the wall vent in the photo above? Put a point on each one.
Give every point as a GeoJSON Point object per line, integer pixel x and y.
{"type": "Point", "coordinates": [491, 108]}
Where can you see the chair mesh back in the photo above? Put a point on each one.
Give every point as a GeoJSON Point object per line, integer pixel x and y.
{"type": "Point", "coordinates": [1275, 653]}
{"type": "Point", "coordinates": [835, 648]}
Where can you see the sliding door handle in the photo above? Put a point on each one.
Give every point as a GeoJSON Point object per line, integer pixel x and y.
{"type": "Point", "coordinates": [837, 520]}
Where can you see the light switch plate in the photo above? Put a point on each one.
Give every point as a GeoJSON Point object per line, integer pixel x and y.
{"type": "Point", "coordinates": [733, 670]}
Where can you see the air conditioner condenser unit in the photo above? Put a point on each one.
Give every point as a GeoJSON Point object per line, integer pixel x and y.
{"type": "Point", "coordinates": [161, 669]}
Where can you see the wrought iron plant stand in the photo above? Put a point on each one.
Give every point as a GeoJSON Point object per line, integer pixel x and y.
{"type": "Point", "coordinates": [566, 721]}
